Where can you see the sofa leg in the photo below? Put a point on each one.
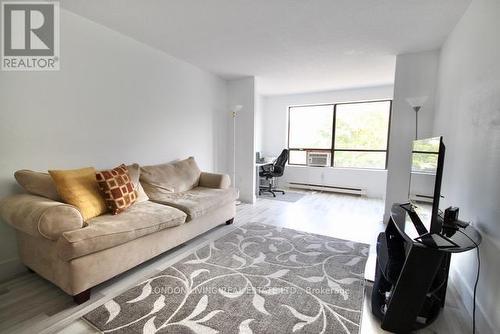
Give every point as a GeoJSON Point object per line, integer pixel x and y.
{"type": "Point", "coordinates": [230, 221]}
{"type": "Point", "coordinates": [82, 297]}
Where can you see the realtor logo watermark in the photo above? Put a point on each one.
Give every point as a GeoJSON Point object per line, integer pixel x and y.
{"type": "Point", "coordinates": [30, 36]}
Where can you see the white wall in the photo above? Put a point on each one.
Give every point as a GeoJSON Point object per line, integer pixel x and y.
{"type": "Point", "coordinates": [468, 115]}
{"type": "Point", "coordinates": [416, 76]}
{"type": "Point", "coordinates": [243, 92]}
{"type": "Point", "coordinates": [373, 181]}
{"type": "Point", "coordinates": [259, 121]}
{"type": "Point", "coordinates": [274, 135]}
{"type": "Point", "coordinates": [114, 100]}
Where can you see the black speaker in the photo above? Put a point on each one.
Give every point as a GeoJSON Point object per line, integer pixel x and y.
{"type": "Point", "coordinates": [450, 216]}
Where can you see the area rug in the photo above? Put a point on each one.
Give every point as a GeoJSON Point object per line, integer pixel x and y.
{"type": "Point", "coordinates": [287, 197]}
{"type": "Point", "coordinates": [256, 279]}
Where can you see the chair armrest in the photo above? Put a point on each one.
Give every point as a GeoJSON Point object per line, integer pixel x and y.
{"type": "Point", "coordinates": [212, 180]}
{"type": "Point", "coordinates": [39, 216]}
{"type": "Point", "coordinates": [267, 168]}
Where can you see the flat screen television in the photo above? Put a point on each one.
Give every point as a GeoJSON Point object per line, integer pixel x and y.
{"type": "Point", "coordinates": [425, 181]}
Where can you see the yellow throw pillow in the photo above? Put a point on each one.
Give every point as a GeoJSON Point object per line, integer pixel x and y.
{"type": "Point", "coordinates": [79, 188]}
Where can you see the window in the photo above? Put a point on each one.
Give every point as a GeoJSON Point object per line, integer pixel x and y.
{"type": "Point", "coordinates": [361, 133]}
{"type": "Point", "coordinates": [354, 135]}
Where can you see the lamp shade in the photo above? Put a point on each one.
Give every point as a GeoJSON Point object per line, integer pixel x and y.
{"type": "Point", "coordinates": [417, 102]}
{"type": "Point", "coordinates": [236, 108]}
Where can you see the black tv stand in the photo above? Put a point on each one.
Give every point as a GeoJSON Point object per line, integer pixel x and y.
{"type": "Point", "coordinates": [411, 277]}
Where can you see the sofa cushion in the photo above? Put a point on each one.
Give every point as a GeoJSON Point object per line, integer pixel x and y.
{"type": "Point", "coordinates": [134, 172]}
{"type": "Point", "coordinates": [42, 184]}
{"type": "Point", "coordinates": [117, 188]}
{"type": "Point", "coordinates": [79, 188]}
{"type": "Point", "coordinates": [109, 230]}
{"type": "Point", "coordinates": [198, 201]}
{"type": "Point", "coordinates": [37, 183]}
{"type": "Point", "coordinates": [173, 177]}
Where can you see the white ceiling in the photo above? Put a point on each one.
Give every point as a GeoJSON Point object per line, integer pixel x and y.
{"type": "Point", "coordinates": [292, 46]}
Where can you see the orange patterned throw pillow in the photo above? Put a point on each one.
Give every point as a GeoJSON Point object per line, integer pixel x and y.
{"type": "Point", "coordinates": [117, 187]}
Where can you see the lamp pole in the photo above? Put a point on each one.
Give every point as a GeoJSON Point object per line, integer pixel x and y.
{"type": "Point", "coordinates": [416, 108]}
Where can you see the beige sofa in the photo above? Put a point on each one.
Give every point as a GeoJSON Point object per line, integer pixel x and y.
{"type": "Point", "coordinates": [56, 243]}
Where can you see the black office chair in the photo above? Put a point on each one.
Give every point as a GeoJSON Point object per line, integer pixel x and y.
{"type": "Point", "coordinates": [272, 171]}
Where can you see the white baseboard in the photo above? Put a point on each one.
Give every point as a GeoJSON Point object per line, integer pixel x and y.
{"type": "Point", "coordinates": [11, 268]}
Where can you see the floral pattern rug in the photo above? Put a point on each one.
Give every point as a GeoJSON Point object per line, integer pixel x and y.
{"type": "Point", "coordinates": [255, 279]}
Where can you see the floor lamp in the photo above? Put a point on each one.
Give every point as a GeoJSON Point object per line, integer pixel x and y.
{"type": "Point", "coordinates": [234, 113]}
{"type": "Point", "coordinates": [416, 104]}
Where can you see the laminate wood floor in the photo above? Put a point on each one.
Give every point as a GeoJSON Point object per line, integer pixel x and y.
{"type": "Point", "coordinates": [29, 304]}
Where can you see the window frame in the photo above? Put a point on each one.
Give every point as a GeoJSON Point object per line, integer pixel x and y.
{"type": "Point", "coordinates": [332, 149]}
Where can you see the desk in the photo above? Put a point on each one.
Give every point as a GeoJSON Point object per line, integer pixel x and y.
{"type": "Point", "coordinates": [257, 178]}
{"type": "Point", "coordinates": [411, 278]}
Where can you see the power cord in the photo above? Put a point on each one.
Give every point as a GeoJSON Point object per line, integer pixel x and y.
{"type": "Point", "coordinates": [475, 284]}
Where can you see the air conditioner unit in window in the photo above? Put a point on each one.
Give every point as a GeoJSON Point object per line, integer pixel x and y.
{"type": "Point", "coordinates": [319, 159]}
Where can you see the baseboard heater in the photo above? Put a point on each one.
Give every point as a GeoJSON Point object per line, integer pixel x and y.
{"type": "Point", "coordinates": [334, 189]}
{"type": "Point", "coordinates": [421, 198]}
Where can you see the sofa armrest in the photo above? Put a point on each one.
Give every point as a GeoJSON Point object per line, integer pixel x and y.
{"type": "Point", "coordinates": [212, 180]}
{"type": "Point", "coordinates": [39, 216]}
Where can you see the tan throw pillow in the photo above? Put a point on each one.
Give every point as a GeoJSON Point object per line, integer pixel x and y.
{"type": "Point", "coordinates": [173, 177]}
{"type": "Point", "coordinates": [117, 188]}
{"type": "Point", "coordinates": [79, 188]}
{"type": "Point", "coordinates": [134, 172]}
{"type": "Point", "coordinates": [37, 183]}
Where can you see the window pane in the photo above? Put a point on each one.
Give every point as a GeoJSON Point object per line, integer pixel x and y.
{"type": "Point", "coordinates": [351, 159]}
{"type": "Point", "coordinates": [297, 157]}
{"type": "Point", "coordinates": [311, 127]}
{"type": "Point", "coordinates": [362, 125]}
{"type": "Point", "coordinates": [424, 163]}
